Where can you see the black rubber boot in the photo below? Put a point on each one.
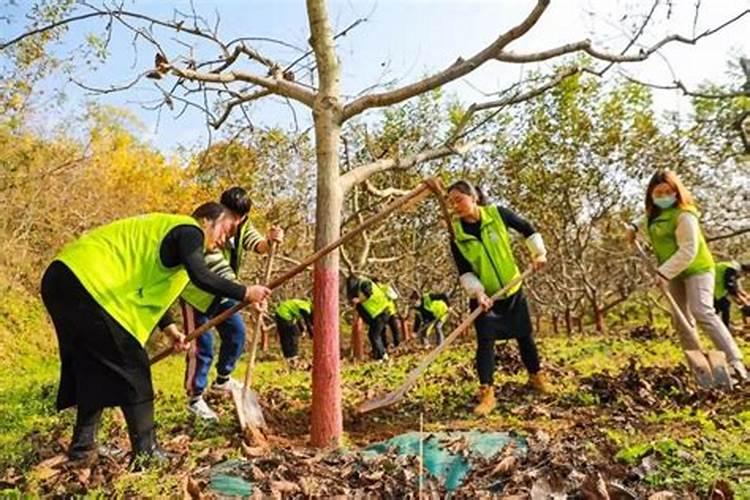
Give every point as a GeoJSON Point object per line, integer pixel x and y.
{"type": "Point", "coordinates": [140, 421]}
{"type": "Point", "coordinates": [83, 444]}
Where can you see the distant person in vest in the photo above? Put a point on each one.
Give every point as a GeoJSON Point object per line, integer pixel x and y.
{"type": "Point", "coordinates": [727, 284]}
{"type": "Point", "coordinates": [430, 313]}
{"type": "Point", "coordinates": [293, 316]}
{"type": "Point", "coordinates": [225, 261]}
{"type": "Point", "coordinates": [372, 305]}
{"type": "Point", "coordinates": [484, 258]}
{"type": "Point", "coordinates": [106, 292]}
{"type": "Point", "coordinates": [685, 262]}
{"type": "Point", "coordinates": [393, 320]}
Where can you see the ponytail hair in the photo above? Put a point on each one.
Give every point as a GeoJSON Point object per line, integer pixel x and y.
{"type": "Point", "coordinates": [465, 187]}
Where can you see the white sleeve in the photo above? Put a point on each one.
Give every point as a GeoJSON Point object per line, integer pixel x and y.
{"type": "Point", "coordinates": [687, 246]}
{"type": "Point", "coordinates": [471, 284]}
{"type": "Point", "coordinates": [535, 244]}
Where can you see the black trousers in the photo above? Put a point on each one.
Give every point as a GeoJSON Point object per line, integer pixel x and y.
{"type": "Point", "coordinates": [723, 307]}
{"type": "Point", "coordinates": [395, 328]}
{"type": "Point", "coordinates": [509, 318]}
{"type": "Point", "coordinates": [102, 364]}
{"type": "Point", "coordinates": [375, 331]}
{"type": "Point", "coordinates": [289, 334]}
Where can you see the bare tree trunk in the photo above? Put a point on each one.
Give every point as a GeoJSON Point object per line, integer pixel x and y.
{"type": "Point", "coordinates": [555, 329]}
{"type": "Point", "coordinates": [599, 318]}
{"type": "Point", "coordinates": [538, 327]}
{"type": "Point", "coordinates": [578, 320]}
{"type": "Point", "coordinates": [568, 322]}
{"type": "Point", "coordinates": [406, 328]}
{"type": "Point", "coordinates": [326, 421]}
{"type": "Point", "coordinates": [358, 337]}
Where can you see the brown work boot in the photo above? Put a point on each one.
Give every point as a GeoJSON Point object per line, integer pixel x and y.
{"type": "Point", "coordinates": [538, 382]}
{"type": "Point", "coordinates": [487, 401]}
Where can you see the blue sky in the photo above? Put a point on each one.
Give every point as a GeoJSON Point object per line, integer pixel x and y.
{"type": "Point", "coordinates": [403, 40]}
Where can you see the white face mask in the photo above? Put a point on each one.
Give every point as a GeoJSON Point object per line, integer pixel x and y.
{"type": "Point", "coordinates": [665, 201]}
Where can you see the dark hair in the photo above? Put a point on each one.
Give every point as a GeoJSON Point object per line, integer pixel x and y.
{"type": "Point", "coordinates": [469, 189]}
{"type": "Point", "coordinates": [236, 199]}
{"type": "Point", "coordinates": [352, 286]}
{"type": "Point", "coordinates": [211, 211]}
{"type": "Point", "coordinates": [745, 267]}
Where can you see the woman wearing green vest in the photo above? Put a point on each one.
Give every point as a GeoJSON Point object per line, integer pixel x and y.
{"type": "Point", "coordinates": [685, 262]}
{"type": "Point", "coordinates": [727, 284]}
{"type": "Point", "coordinates": [106, 292]}
{"type": "Point", "coordinates": [372, 305]}
{"type": "Point", "coordinates": [484, 258]}
{"type": "Point", "coordinates": [292, 317]}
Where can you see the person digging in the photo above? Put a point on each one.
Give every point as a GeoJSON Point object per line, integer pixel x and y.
{"type": "Point", "coordinates": [292, 317]}
{"type": "Point", "coordinates": [225, 261]}
{"type": "Point", "coordinates": [105, 293]}
{"type": "Point", "coordinates": [430, 313]}
{"type": "Point", "coordinates": [372, 306]}
{"type": "Point", "coordinates": [485, 262]}
{"type": "Point", "coordinates": [727, 286]}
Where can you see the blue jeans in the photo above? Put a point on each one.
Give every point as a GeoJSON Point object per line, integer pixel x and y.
{"type": "Point", "coordinates": [232, 335]}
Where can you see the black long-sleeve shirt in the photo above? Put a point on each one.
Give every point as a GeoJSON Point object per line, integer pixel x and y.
{"type": "Point", "coordinates": [184, 245]}
{"type": "Point", "coordinates": [511, 220]}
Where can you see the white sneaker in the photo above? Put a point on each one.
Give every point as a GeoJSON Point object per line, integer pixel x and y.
{"type": "Point", "coordinates": [739, 369]}
{"type": "Point", "coordinates": [228, 386]}
{"type": "Point", "coordinates": [200, 408]}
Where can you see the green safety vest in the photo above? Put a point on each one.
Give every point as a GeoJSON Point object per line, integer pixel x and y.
{"type": "Point", "coordinates": [375, 303]}
{"type": "Point", "coordinates": [202, 300]}
{"type": "Point", "coordinates": [662, 230]}
{"type": "Point", "coordinates": [720, 272]}
{"type": "Point", "coordinates": [291, 310]}
{"type": "Point", "coordinates": [437, 308]}
{"type": "Point", "coordinates": [120, 266]}
{"type": "Point", "coordinates": [490, 257]}
{"type": "Point", "coordinates": [391, 308]}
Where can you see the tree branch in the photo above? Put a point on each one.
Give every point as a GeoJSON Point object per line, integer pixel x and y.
{"type": "Point", "coordinates": [586, 46]}
{"type": "Point", "coordinates": [729, 235]}
{"type": "Point", "coordinates": [458, 69]}
{"type": "Point", "coordinates": [274, 83]}
{"type": "Point", "coordinates": [361, 173]}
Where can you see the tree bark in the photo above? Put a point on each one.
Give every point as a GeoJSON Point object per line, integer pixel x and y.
{"type": "Point", "coordinates": [568, 322]}
{"type": "Point", "coordinates": [358, 338]}
{"type": "Point", "coordinates": [326, 421]}
{"type": "Point", "coordinates": [555, 329]}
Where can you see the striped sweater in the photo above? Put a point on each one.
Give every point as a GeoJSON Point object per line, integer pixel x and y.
{"type": "Point", "coordinates": [217, 261]}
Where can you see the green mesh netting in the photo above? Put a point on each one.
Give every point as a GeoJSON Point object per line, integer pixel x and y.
{"type": "Point", "coordinates": [449, 468]}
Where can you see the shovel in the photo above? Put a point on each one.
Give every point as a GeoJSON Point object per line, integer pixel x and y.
{"type": "Point", "coordinates": [412, 197]}
{"type": "Point", "coordinates": [709, 369]}
{"type": "Point", "coordinates": [249, 411]}
{"type": "Point", "coordinates": [397, 395]}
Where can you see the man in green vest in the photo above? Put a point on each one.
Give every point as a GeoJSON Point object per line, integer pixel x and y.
{"type": "Point", "coordinates": [292, 317]}
{"type": "Point", "coordinates": [430, 313]}
{"type": "Point", "coordinates": [225, 261]}
{"type": "Point", "coordinates": [727, 276]}
{"type": "Point", "coordinates": [372, 306]}
{"type": "Point", "coordinates": [106, 292]}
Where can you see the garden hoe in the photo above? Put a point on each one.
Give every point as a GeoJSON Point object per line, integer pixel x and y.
{"type": "Point", "coordinates": [412, 197]}
{"type": "Point", "coordinates": [395, 396]}
{"type": "Point", "coordinates": [249, 411]}
{"type": "Point", "coordinates": [709, 369]}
